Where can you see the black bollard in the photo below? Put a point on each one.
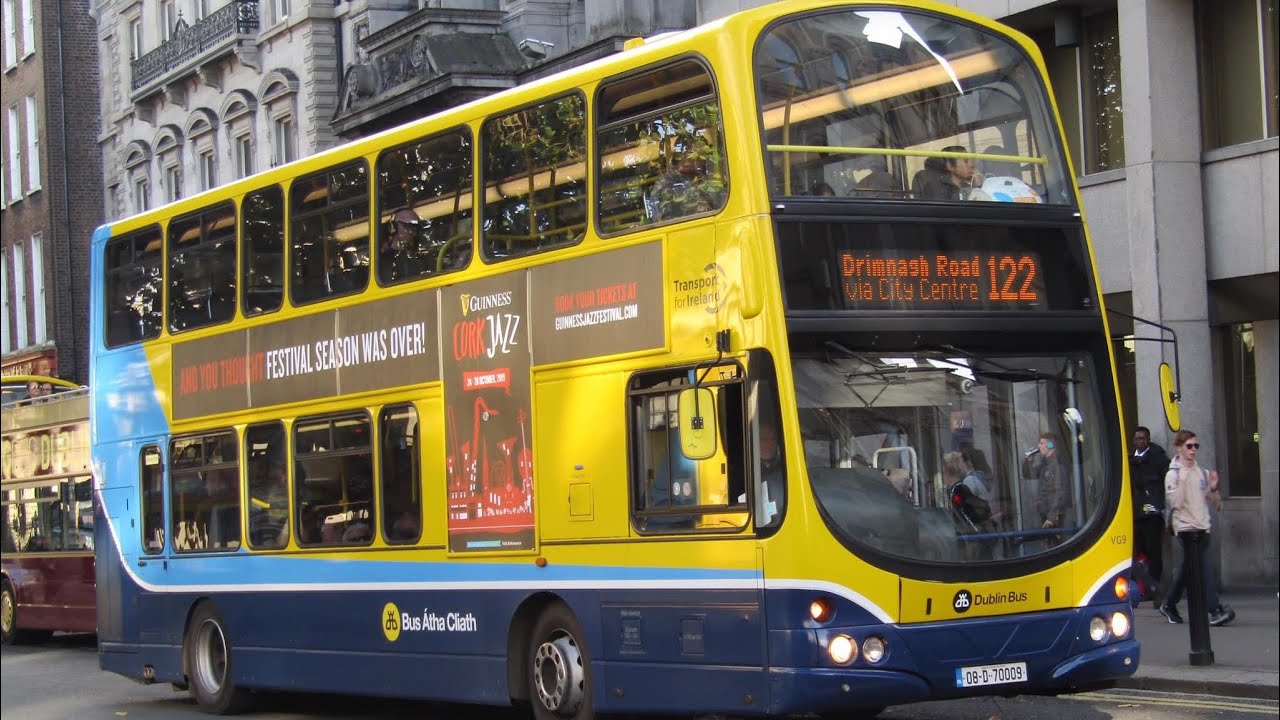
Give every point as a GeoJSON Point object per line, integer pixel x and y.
{"type": "Point", "coordinates": [1197, 614]}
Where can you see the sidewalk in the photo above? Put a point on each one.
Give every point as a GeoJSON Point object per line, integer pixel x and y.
{"type": "Point", "coordinates": [1245, 657]}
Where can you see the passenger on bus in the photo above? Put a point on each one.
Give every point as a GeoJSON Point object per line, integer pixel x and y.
{"type": "Point", "coordinates": [822, 189]}
{"type": "Point", "coordinates": [406, 526]}
{"type": "Point", "coordinates": [684, 189]}
{"type": "Point", "coordinates": [773, 480]}
{"type": "Point", "coordinates": [1054, 493]}
{"type": "Point", "coordinates": [394, 260]}
{"type": "Point", "coordinates": [944, 178]}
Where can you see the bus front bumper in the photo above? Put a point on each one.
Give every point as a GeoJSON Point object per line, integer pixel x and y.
{"type": "Point", "coordinates": [800, 690]}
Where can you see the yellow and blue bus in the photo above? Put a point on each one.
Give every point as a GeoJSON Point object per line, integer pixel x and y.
{"type": "Point", "coordinates": [789, 383]}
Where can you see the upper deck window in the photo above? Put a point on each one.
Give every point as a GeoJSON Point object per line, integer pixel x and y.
{"type": "Point", "coordinates": [132, 287]}
{"type": "Point", "coordinates": [424, 208]}
{"type": "Point", "coordinates": [262, 233]}
{"type": "Point", "coordinates": [535, 181]}
{"type": "Point", "coordinates": [330, 224]}
{"type": "Point", "coordinates": [661, 150]}
{"type": "Point", "coordinates": [877, 104]}
{"type": "Point", "coordinates": [202, 268]}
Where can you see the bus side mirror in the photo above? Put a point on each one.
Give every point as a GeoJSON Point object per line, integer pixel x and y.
{"type": "Point", "coordinates": [1170, 397]}
{"type": "Point", "coordinates": [697, 413]}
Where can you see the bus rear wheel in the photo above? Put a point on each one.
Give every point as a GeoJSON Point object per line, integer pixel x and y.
{"type": "Point", "coordinates": [208, 660]}
{"type": "Point", "coordinates": [559, 667]}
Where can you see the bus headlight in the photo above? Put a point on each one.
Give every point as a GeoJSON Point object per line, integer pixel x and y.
{"type": "Point", "coordinates": [873, 649]}
{"type": "Point", "coordinates": [1097, 629]}
{"type": "Point", "coordinates": [842, 648]}
{"type": "Point", "coordinates": [1119, 624]}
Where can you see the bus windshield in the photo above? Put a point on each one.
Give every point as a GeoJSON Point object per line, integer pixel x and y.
{"type": "Point", "coordinates": [948, 456]}
{"type": "Point", "coordinates": [878, 104]}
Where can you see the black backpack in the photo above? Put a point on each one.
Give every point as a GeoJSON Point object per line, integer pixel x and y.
{"type": "Point", "coordinates": [972, 511]}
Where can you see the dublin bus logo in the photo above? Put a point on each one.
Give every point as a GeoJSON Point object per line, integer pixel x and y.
{"type": "Point", "coordinates": [962, 601]}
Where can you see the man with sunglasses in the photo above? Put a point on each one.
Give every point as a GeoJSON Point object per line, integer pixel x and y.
{"type": "Point", "coordinates": [1189, 489]}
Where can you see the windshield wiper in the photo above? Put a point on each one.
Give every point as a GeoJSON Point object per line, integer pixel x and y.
{"type": "Point", "coordinates": [1000, 372]}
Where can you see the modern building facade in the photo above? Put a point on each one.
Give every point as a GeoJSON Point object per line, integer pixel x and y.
{"type": "Point", "coordinates": [1170, 108]}
{"type": "Point", "coordinates": [50, 184]}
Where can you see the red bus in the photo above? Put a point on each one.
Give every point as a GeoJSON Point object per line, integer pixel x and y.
{"type": "Point", "coordinates": [46, 503]}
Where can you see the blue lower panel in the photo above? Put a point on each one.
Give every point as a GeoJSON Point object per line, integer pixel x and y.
{"type": "Point", "coordinates": [464, 679]}
{"type": "Point", "coordinates": [808, 690]}
{"type": "Point", "coordinates": [680, 688]}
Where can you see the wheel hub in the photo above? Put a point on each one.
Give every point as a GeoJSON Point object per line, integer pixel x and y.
{"type": "Point", "coordinates": [6, 612]}
{"type": "Point", "coordinates": [210, 657]}
{"type": "Point", "coordinates": [558, 675]}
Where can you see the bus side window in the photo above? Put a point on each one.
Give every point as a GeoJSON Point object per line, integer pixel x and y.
{"type": "Point", "coordinates": [262, 236]}
{"type": "Point", "coordinates": [427, 184]}
{"type": "Point", "coordinates": [533, 161]}
{"type": "Point", "coordinates": [152, 500]}
{"type": "Point", "coordinates": [329, 232]}
{"type": "Point", "coordinates": [202, 268]}
{"type": "Point", "coordinates": [662, 155]}
{"type": "Point", "coordinates": [674, 493]}
{"type": "Point", "coordinates": [132, 294]}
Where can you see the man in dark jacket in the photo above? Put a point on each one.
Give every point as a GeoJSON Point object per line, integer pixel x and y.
{"type": "Point", "coordinates": [1147, 467]}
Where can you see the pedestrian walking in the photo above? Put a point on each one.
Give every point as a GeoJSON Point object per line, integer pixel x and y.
{"type": "Point", "coordinates": [1189, 490]}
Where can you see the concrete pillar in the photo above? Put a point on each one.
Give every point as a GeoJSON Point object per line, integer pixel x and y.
{"type": "Point", "coordinates": [1165, 217]}
{"type": "Point", "coordinates": [1266, 354]}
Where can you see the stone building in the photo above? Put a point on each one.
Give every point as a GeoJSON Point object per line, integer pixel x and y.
{"type": "Point", "coordinates": [1170, 109]}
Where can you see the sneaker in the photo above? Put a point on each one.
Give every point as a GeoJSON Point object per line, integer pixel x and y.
{"type": "Point", "coordinates": [1221, 616]}
{"type": "Point", "coordinates": [1170, 613]}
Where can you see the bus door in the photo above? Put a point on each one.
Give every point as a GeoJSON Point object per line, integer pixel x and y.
{"type": "Point", "coordinates": [125, 548]}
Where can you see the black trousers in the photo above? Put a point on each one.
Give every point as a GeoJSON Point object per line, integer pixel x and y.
{"type": "Point", "coordinates": [1148, 531]}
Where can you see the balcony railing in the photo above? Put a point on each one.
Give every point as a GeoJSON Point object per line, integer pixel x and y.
{"type": "Point", "coordinates": [191, 41]}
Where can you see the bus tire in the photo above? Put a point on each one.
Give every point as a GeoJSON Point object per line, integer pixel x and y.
{"type": "Point", "coordinates": [559, 667]}
{"type": "Point", "coordinates": [9, 632]}
{"type": "Point", "coordinates": [207, 653]}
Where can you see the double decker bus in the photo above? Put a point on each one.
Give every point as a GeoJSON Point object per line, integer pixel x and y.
{"type": "Point", "coordinates": [710, 377]}
{"type": "Point", "coordinates": [46, 505]}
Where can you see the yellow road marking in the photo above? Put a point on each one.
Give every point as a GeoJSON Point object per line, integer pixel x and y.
{"type": "Point", "coordinates": [1203, 704]}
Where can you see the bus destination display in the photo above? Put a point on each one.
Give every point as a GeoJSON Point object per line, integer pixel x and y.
{"type": "Point", "coordinates": [891, 280]}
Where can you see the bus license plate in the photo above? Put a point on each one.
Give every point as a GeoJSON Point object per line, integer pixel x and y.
{"type": "Point", "coordinates": [977, 675]}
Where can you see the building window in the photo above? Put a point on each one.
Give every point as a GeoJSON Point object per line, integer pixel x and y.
{"type": "Point", "coordinates": [40, 331]}
{"type": "Point", "coordinates": [28, 29]}
{"type": "Point", "coordinates": [201, 9]}
{"type": "Point", "coordinates": [286, 148]}
{"type": "Point", "coordinates": [243, 150]}
{"type": "Point", "coordinates": [20, 294]}
{"type": "Point", "coordinates": [1244, 469]}
{"type": "Point", "coordinates": [135, 39]}
{"type": "Point", "coordinates": [15, 156]}
{"type": "Point", "coordinates": [33, 146]}
{"type": "Point", "coordinates": [141, 194]}
{"type": "Point", "coordinates": [282, 10]}
{"type": "Point", "coordinates": [173, 183]}
{"type": "Point", "coordinates": [1102, 94]}
{"type": "Point", "coordinates": [168, 19]}
{"type": "Point", "coordinates": [1237, 41]}
{"type": "Point", "coordinates": [208, 170]}
{"type": "Point", "coordinates": [10, 35]}
{"type": "Point", "coordinates": [5, 346]}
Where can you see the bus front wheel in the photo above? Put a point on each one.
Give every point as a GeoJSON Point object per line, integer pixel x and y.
{"type": "Point", "coordinates": [208, 656]}
{"type": "Point", "coordinates": [9, 632]}
{"type": "Point", "coordinates": [559, 667]}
